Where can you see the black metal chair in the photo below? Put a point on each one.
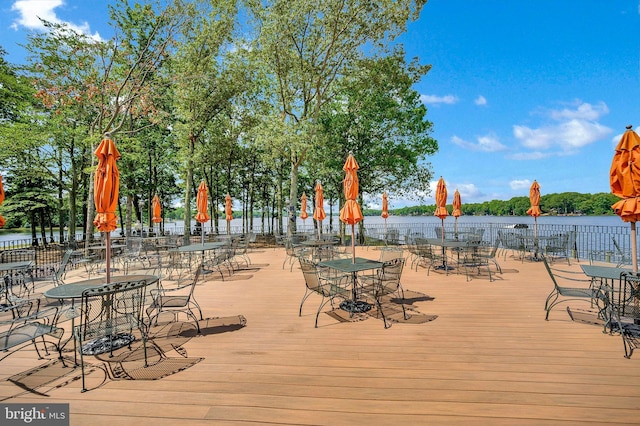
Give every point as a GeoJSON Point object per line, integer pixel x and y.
{"type": "Point", "coordinates": [176, 300]}
{"type": "Point", "coordinates": [319, 283]}
{"type": "Point", "coordinates": [109, 315]}
{"type": "Point", "coordinates": [385, 282]}
{"type": "Point", "coordinates": [563, 293]}
{"type": "Point", "coordinates": [623, 311]}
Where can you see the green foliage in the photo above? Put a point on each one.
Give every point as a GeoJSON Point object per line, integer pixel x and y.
{"type": "Point", "coordinates": [566, 203]}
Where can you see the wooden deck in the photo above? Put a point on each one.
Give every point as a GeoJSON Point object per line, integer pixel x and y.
{"type": "Point", "coordinates": [488, 358]}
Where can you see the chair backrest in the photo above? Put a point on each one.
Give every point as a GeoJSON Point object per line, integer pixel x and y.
{"type": "Point", "coordinates": [390, 274]}
{"type": "Point", "coordinates": [630, 298]}
{"type": "Point", "coordinates": [111, 309]}
{"type": "Point", "coordinates": [390, 253]}
{"type": "Point", "coordinates": [310, 273]}
{"type": "Point", "coordinates": [563, 279]}
{"type": "Point", "coordinates": [424, 248]}
{"type": "Point", "coordinates": [18, 255]}
{"type": "Point", "coordinates": [619, 250]}
{"type": "Point", "coordinates": [62, 269]}
{"type": "Point", "coordinates": [134, 245]}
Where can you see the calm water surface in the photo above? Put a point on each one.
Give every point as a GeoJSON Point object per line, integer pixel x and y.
{"type": "Point", "coordinates": [402, 220]}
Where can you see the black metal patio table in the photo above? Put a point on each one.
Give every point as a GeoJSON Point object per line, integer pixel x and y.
{"type": "Point", "coordinates": [609, 278]}
{"type": "Point", "coordinates": [353, 266]}
{"type": "Point", "coordinates": [75, 290]}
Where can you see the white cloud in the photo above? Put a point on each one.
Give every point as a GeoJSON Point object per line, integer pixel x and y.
{"type": "Point", "coordinates": [31, 11]}
{"type": "Point", "coordinates": [480, 100]}
{"type": "Point", "coordinates": [535, 155]}
{"type": "Point", "coordinates": [573, 129]}
{"type": "Point", "coordinates": [467, 191]}
{"type": "Point", "coordinates": [568, 136]}
{"type": "Point", "coordinates": [584, 111]}
{"type": "Point", "coordinates": [488, 143]}
{"type": "Point", "coordinates": [434, 99]}
{"type": "Point", "coordinates": [518, 184]}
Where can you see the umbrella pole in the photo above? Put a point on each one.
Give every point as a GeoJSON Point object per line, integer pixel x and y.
{"type": "Point", "coordinates": [535, 237]}
{"type": "Point", "coordinates": [108, 254]}
{"type": "Point", "coordinates": [444, 253]}
{"type": "Point", "coordinates": [456, 227]}
{"type": "Point", "coordinates": [386, 238]}
{"type": "Point", "coordinates": [319, 229]}
{"type": "Point", "coordinates": [634, 248]}
{"type": "Point", "coordinates": [353, 243]}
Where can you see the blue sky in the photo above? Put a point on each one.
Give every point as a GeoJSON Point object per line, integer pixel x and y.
{"type": "Point", "coordinates": [519, 90]}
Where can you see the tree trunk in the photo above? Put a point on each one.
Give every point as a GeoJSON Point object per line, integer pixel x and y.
{"type": "Point", "coordinates": [293, 196]}
{"type": "Point", "coordinates": [90, 204]}
{"type": "Point", "coordinates": [43, 226]}
{"type": "Point", "coordinates": [187, 190]}
{"type": "Point", "coordinates": [34, 233]}
{"type": "Point", "coordinates": [128, 216]}
{"type": "Point", "coordinates": [60, 201]}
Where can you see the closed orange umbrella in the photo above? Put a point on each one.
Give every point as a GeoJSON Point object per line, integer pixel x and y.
{"type": "Point", "coordinates": [534, 210]}
{"type": "Point", "coordinates": [457, 204]}
{"type": "Point", "coordinates": [624, 179]}
{"type": "Point", "coordinates": [441, 201]}
{"type": "Point", "coordinates": [441, 212]}
{"type": "Point", "coordinates": [385, 206]}
{"type": "Point", "coordinates": [2, 221]}
{"type": "Point", "coordinates": [105, 192]}
{"type": "Point", "coordinates": [318, 212]}
{"type": "Point", "coordinates": [157, 209]}
{"type": "Point", "coordinates": [228, 212]}
{"type": "Point", "coordinates": [534, 197]}
{"type": "Point", "coordinates": [303, 207]}
{"type": "Point", "coordinates": [350, 212]}
{"type": "Point", "coordinates": [385, 212]}
{"type": "Point", "coordinates": [202, 201]}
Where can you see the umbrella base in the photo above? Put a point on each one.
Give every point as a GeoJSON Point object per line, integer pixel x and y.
{"type": "Point", "coordinates": [355, 307]}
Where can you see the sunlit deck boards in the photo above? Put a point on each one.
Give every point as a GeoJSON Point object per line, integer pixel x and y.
{"type": "Point", "coordinates": [488, 358]}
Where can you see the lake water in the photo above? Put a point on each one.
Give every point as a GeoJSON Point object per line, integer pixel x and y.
{"type": "Point", "coordinates": [593, 232]}
{"type": "Point", "coordinates": [177, 226]}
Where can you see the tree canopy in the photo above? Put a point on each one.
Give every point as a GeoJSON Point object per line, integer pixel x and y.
{"type": "Point", "coordinates": [257, 98]}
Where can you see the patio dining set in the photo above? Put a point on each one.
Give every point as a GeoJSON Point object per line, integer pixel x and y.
{"type": "Point", "coordinates": [151, 278]}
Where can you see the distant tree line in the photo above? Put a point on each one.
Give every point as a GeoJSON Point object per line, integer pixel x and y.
{"type": "Point", "coordinates": [566, 203]}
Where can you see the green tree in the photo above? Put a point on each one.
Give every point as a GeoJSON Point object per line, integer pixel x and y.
{"type": "Point", "coordinates": [379, 117]}
{"type": "Point", "coordinates": [305, 47]}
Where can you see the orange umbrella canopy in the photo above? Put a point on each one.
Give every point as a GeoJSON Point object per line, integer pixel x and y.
{"type": "Point", "coordinates": [625, 176]}
{"type": "Point", "coordinates": [318, 213]}
{"type": "Point", "coordinates": [303, 207]}
{"type": "Point", "coordinates": [2, 221]}
{"type": "Point", "coordinates": [457, 204]}
{"type": "Point", "coordinates": [227, 208]}
{"type": "Point", "coordinates": [350, 213]}
{"type": "Point", "coordinates": [157, 209]}
{"type": "Point", "coordinates": [106, 186]}
{"type": "Point", "coordinates": [202, 203]}
{"type": "Point", "coordinates": [385, 206]}
{"type": "Point", "coordinates": [534, 197]}
{"type": "Point", "coordinates": [441, 199]}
